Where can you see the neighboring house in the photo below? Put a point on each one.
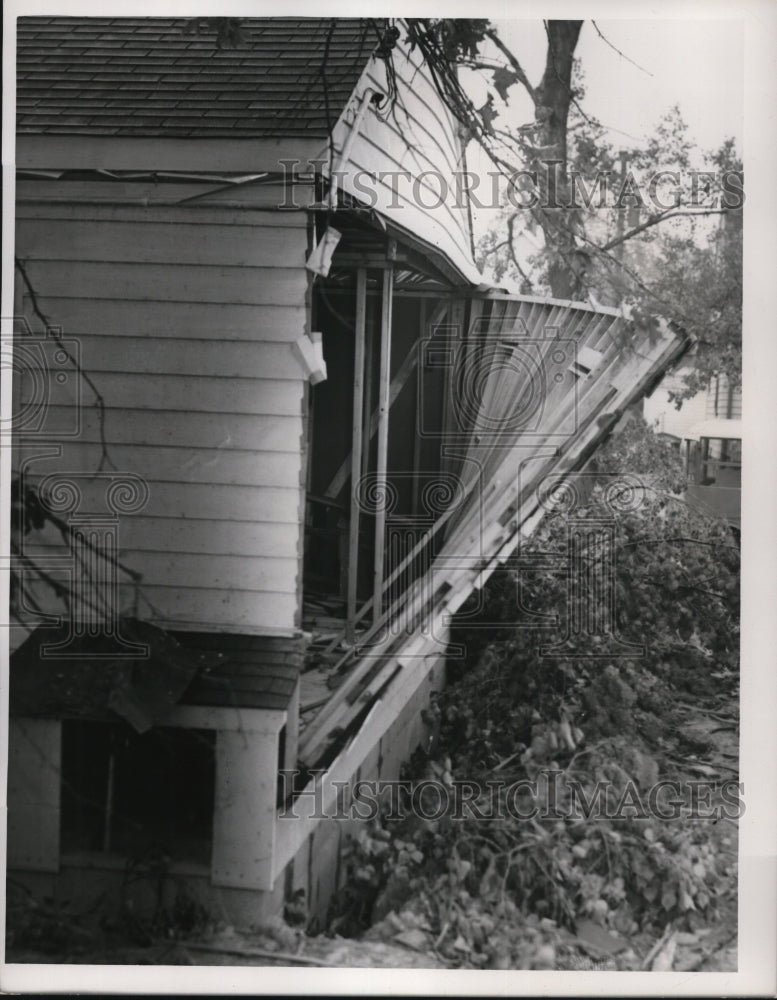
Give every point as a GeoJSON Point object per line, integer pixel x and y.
{"type": "Point", "coordinates": [707, 430]}
{"type": "Point", "coordinates": [261, 343]}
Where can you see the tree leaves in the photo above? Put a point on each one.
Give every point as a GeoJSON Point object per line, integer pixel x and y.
{"type": "Point", "coordinates": [488, 114]}
{"type": "Point", "coordinates": [503, 79]}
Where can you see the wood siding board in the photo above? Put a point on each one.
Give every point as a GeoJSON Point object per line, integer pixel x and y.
{"type": "Point", "coordinates": [207, 359]}
{"type": "Point", "coordinates": [214, 466]}
{"type": "Point", "coordinates": [202, 215]}
{"type": "Point", "coordinates": [208, 430]}
{"type": "Point", "coordinates": [193, 609]}
{"type": "Point", "coordinates": [168, 283]}
{"type": "Point", "coordinates": [156, 321]}
{"type": "Point", "coordinates": [169, 194]}
{"type": "Point", "coordinates": [199, 393]}
{"type": "Point", "coordinates": [208, 537]}
{"type": "Point", "coordinates": [169, 153]}
{"type": "Point", "coordinates": [150, 242]}
{"type": "Point", "coordinates": [200, 500]}
{"type": "Point", "coordinates": [247, 574]}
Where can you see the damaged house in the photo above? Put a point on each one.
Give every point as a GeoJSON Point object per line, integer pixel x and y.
{"type": "Point", "coordinates": [272, 429]}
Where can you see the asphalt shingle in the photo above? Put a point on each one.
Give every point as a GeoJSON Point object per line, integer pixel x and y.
{"type": "Point", "coordinates": [70, 71]}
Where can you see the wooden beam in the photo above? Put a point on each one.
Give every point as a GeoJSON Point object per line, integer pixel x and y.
{"type": "Point", "coordinates": [340, 478]}
{"type": "Point", "coordinates": [398, 383]}
{"type": "Point", "coordinates": [418, 416]}
{"type": "Point", "coordinates": [369, 366]}
{"type": "Point", "coordinates": [382, 432]}
{"type": "Point", "coordinates": [356, 450]}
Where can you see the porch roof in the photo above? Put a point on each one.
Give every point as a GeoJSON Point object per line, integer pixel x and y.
{"type": "Point", "coordinates": [95, 676]}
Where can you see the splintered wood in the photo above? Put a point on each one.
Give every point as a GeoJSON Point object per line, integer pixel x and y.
{"type": "Point", "coordinates": [510, 446]}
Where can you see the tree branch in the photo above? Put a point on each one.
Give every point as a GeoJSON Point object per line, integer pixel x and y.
{"type": "Point", "coordinates": [511, 248]}
{"type": "Point", "coordinates": [653, 220]}
{"type": "Point", "coordinates": [105, 458]}
{"type": "Point", "coordinates": [616, 49]}
{"type": "Point", "coordinates": [516, 66]}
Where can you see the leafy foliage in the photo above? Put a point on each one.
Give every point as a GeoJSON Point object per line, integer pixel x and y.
{"type": "Point", "coordinates": [509, 887]}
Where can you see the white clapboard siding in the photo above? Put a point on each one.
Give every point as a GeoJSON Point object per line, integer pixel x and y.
{"type": "Point", "coordinates": [263, 325]}
{"type": "Point", "coordinates": [35, 206]}
{"type": "Point", "coordinates": [166, 569]}
{"type": "Point", "coordinates": [417, 135]}
{"type": "Point", "coordinates": [200, 536]}
{"type": "Point", "coordinates": [198, 500]}
{"type": "Point", "coordinates": [156, 242]}
{"type": "Point", "coordinates": [181, 465]}
{"type": "Point", "coordinates": [216, 394]}
{"type": "Point", "coordinates": [202, 609]}
{"type": "Point", "coordinates": [187, 430]}
{"type": "Point", "coordinates": [144, 354]}
{"type": "Point", "coordinates": [177, 393]}
{"type": "Point", "coordinates": [167, 282]}
{"type": "Point", "coordinates": [167, 194]}
{"type": "Point", "coordinates": [184, 316]}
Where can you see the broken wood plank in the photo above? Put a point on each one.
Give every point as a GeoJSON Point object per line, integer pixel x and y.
{"type": "Point", "coordinates": [356, 451]}
{"type": "Point", "coordinates": [382, 458]}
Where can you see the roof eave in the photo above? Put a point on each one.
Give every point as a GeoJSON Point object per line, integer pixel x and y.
{"type": "Point", "coordinates": [51, 151]}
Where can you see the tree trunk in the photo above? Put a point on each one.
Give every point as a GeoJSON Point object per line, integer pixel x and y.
{"type": "Point", "coordinates": [553, 97]}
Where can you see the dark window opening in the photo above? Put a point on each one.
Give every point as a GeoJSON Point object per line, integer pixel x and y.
{"type": "Point", "coordinates": [130, 794]}
{"type": "Point", "coordinates": [416, 416]}
{"type": "Point", "coordinates": [280, 793]}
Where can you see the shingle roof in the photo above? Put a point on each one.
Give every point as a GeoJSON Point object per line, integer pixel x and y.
{"type": "Point", "coordinates": [153, 77]}
{"type": "Point", "coordinates": [95, 679]}
{"type": "Point", "coordinates": [252, 671]}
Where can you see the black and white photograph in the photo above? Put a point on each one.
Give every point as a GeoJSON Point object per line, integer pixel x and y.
{"type": "Point", "coordinates": [388, 542]}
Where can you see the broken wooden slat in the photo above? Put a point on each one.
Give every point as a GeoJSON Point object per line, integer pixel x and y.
{"type": "Point", "coordinates": [356, 450]}
{"type": "Point", "coordinates": [601, 394]}
{"type": "Point", "coordinates": [382, 457]}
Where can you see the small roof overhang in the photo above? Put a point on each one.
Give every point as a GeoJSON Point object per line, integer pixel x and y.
{"type": "Point", "coordinates": [717, 427]}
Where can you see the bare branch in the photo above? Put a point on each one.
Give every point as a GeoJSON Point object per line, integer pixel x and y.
{"type": "Point", "coordinates": [105, 458]}
{"type": "Point", "coordinates": [513, 256]}
{"type": "Point", "coordinates": [616, 49]}
{"type": "Point", "coordinates": [653, 220]}
{"type": "Point", "coordinates": [486, 252]}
